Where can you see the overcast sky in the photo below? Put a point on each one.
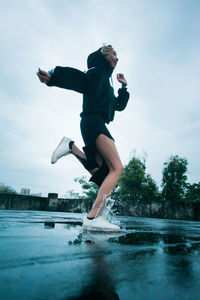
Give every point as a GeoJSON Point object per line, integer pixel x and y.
{"type": "Point", "coordinates": [157, 42]}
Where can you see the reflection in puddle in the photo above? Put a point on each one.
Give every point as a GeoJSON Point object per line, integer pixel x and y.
{"type": "Point", "coordinates": [178, 244]}
{"type": "Point", "coordinates": [171, 244]}
{"type": "Point", "coordinates": [49, 224]}
{"type": "Point", "coordinates": [102, 285]}
{"type": "Point", "coordinates": [182, 249]}
{"type": "Point", "coordinates": [78, 240]}
{"type": "Point", "coordinates": [138, 238]}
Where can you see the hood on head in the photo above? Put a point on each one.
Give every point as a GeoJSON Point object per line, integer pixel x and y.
{"type": "Point", "coordinates": [97, 59]}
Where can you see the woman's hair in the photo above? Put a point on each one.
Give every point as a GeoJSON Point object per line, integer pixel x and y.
{"type": "Point", "coordinates": [106, 49]}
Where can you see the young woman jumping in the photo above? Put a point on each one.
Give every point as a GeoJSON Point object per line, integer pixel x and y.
{"type": "Point", "coordinates": [100, 156]}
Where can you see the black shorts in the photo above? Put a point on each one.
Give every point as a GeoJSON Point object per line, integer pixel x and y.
{"type": "Point", "coordinates": [93, 125]}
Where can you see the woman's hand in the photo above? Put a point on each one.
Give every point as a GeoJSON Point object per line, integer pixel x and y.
{"type": "Point", "coordinates": [43, 76]}
{"type": "Point", "coordinates": [121, 78]}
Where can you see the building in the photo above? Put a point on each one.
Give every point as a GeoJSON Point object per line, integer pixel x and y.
{"type": "Point", "coordinates": [25, 191]}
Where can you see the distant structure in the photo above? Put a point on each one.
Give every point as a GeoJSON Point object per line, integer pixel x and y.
{"type": "Point", "coordinates": [2, 184]}
{"type": "Point", "coordinates": [37, 194]}
{"type": "Point", "coordinates": [25, 191]}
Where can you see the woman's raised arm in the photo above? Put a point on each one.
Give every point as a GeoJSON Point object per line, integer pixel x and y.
{"type": "Point", "coordinates": [64, 77]}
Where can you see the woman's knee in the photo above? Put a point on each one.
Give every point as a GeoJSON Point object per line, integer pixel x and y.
{"type": "Point", "coordinates": [108, 151]}
{"type": "Point", "coordinates": [117, 169]}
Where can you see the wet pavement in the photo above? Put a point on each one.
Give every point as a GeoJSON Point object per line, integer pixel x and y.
{"type": "Point", "coordinates": [46, 255]}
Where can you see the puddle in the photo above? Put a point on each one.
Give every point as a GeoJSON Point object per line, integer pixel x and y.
{"type": "Point", "coordinates": [47, 255]}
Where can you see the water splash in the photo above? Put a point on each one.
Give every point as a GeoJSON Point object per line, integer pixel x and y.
{"type": "Point", "coordinates": [106, 208]}
{"type": "Point", "coordinates": [103, 203]}
{"type": "Point", "coordinates": [109, 211]}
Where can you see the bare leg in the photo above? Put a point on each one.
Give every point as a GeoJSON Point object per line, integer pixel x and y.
{"type": "Point", "coordinates": [80, 155]}
{"type": "Point", "coordinates": [108, 151]}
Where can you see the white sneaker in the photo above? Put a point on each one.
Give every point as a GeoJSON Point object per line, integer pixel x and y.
{"type": "Point", "coordinates": [61, 150]}
{"type": "Point", "coordinates": [99, 224]}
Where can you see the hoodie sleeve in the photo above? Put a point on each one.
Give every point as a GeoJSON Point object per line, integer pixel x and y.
{"type": "Point", "coordinates": [122, 99]}
{"type": "Point", "coordinates": [67, 78]}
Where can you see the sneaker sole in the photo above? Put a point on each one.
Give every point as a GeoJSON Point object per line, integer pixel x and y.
{"type": "Point", "coordinates": [53, 160]}
{"type": "Point", "coordinates": [54, 157]}
{"type": "Point", "coordinates": [101, 229]}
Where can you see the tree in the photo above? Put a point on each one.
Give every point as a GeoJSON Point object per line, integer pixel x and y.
{"type": "Point", "coordinates": [193, 192]}
{"type": "Point", "coordinates": [7, 190]}
{"type": "Point", "coordinates": [174, 179]}
{"type": "Point", "coordinates": [136, 186]}
{"type": "Point", "coordinates": [150, 192]}
{"type": "Point", "coordinates": [90, 189]}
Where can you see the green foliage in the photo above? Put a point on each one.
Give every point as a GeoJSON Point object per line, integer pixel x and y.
{"type": "Point", "coordinates": [174, 179]}
{"type": "Point", "coordinates": [150, 192]}
{"type": "Point", "coordinates": [7, 190]}
{"type": "Point", "coordinates": [90, 189]}
{"type": "Point", "coordinates": [135, 185]}
{"type": "Point", "coordinates": [193, 193]}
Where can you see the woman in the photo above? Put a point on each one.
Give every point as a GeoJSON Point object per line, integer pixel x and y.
{"type": "Point", "coordinates": [100, 155]}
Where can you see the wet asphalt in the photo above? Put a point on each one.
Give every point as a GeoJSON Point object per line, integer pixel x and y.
{"type": "Point", "coordinates": [46, 255]}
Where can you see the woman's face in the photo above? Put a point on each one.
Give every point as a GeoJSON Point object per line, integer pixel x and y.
{"type": "Point", "coordinates": [112, 58]}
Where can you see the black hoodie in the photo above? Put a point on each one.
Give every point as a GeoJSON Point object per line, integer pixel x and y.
{"type": "Point", "coordinates": [98, 95]}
